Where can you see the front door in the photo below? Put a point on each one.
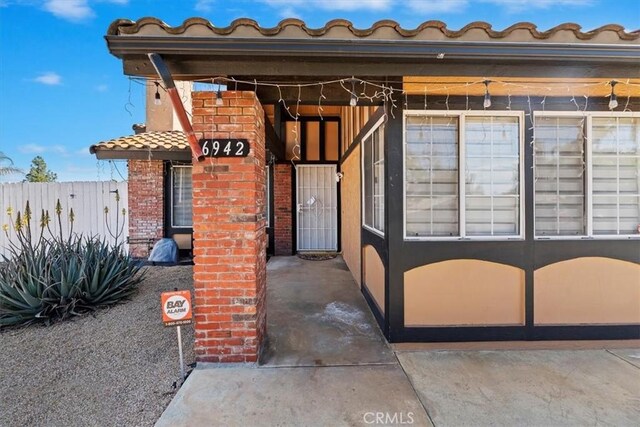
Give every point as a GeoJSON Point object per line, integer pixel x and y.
{"type": "Point", "coordinates": [317, 208]}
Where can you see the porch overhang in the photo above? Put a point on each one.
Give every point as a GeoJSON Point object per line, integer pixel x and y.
{"type": "Point", "coordinates": [197, 49]}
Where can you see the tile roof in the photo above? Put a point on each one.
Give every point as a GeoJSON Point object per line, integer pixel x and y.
{"type": "Point", "coordinates": [157, 141]}
{"type": "Point", "coordinates": [385, 30]}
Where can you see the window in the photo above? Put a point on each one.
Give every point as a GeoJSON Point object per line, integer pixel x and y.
{"type": "Point", "coordinates": [181, 197]}
{"type": "Point", "coordinates": [559, 176]}
{"type": "Point", "coordinates": [587, 174]}
{"type": "Point", "coordinates": [463, 175]}
{"type": "Point", "coordinates": [313, 140]}
{"type": "Point", "coordinates": [373, 178]}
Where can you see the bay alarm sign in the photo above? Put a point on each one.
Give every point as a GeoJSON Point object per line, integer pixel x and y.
{"type": "Point", "coordinates": [176, 308]}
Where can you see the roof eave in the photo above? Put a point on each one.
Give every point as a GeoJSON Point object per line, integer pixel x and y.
{"type": "Point", "coordinates": [400, 50]}
{"type": "Point", "coordinates": [191, 58]}
{"type": "Point", "coordinates": [145, 154]}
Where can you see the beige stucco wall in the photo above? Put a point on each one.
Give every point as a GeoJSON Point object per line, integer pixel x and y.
{"type": "Point", "coordinates": [373, 272]}
{"type": "Point", "coordinates": [589, 290]}
{"type": "Point", "coordinates": [464, 292]}
{"type": "Point", "coordinates": [184, 89]}
{"type": "Point", "coordinates": [162, 117]}
{"type": "Point", "coordinates": [350, 211]}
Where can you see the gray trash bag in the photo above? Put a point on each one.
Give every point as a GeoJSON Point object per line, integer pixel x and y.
{"type": "Point", "coordinates": [165, 251]}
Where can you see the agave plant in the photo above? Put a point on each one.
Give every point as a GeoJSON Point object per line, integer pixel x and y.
{"type": "Point", "coordinates": [64, 278]}
{"type": "Point", "coordinates": [56, 277]}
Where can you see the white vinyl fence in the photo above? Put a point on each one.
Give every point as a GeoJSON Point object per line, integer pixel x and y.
{"type": "Point", "coordinates": [87, 199]}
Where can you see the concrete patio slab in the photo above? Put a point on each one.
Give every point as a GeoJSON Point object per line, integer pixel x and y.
{"type": "Point", "coordinates": [326, 396]}
{"type": "Point", "coordinates": [510, 388]}
{"type": "Point", "coordinates": [631, 355]}
{"type": "Point", "coordinates": [317, 316]}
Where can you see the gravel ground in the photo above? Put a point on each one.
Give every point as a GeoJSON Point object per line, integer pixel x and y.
{"type": "Point", "coordinates": [113, 368]}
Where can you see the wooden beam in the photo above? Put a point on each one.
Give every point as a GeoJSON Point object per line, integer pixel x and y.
{"type": "Point", "coordinates": [273, 142]}
{"type": "Point", "coordinates": [520, 86]}
{"type": "Point", "coordinates": [334, 94]}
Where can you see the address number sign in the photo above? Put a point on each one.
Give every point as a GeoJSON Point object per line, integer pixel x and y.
{"type": "Point", "coordinates": [225, 147]}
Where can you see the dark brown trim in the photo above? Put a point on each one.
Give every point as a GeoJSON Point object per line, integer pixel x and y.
{"type": "Point", "coordinates": [373, 305]}
{"type": "Point", "coordinates": [273, 142]}
{"type": "Point", "coordinates": [169, 230]}
{"type": "Point", "coordinates": [529, 254]}
{"type": "Point", "coordinates": [149, 154]}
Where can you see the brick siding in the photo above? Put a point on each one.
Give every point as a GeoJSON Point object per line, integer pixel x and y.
{"type": "Point", "coordinates": [229, 226]}
{"type": "Point", "coordinates": [146, 203]}
{"type": "Point", "coordinates": [283, 222]}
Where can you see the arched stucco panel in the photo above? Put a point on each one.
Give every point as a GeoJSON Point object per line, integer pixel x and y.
{"type": "Point", "coordinates": [587, 290]}
{"type": "Point", "coordinates": [374, 273]}
{"type": "Point", "coordinates": [464, 292]}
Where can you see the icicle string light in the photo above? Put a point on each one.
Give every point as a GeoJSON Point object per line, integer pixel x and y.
{"type": "Point", "coordinates": [385, 92]}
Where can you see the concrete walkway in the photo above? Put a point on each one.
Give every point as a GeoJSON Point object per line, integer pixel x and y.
{"type": "Point", "coordinates": [327, 364]}
{"type": "Point", "coordinates": [316, 316]}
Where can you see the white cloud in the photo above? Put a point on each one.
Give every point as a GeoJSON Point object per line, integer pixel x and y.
{"type": "Point", "coordinates": [437, 6]}
{"type": "Point", "coordinates": [289, 12]}
{"type": "Point", "coordinates": [73, 10]}
{"type": "Point", "coordinates": [514, 6]}
{"type": "Point", "coordinates": [204, 5]}
{"type": "Point", "coordinates": [341, 5]}
{"type": "Point", "coordinates": [49, 78]}
{"type": "Point", "coordinates": [41, 149]}
{"type": "Point", "coordinates": [32, 149]}
{"type": "Point", "coordinates": [288, 8]}
{"type": "Point", "coordinates": [102, 88]}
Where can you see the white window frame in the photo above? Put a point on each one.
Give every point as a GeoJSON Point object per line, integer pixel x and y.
{"type": "Point", "coordinates": [461, 115]}
{"type": "Point", "coordinates": [171, 175]}
{"type": "Point", "coordinates": [375, 127]}
{"type": "Point", "coordinates": [588, 117]}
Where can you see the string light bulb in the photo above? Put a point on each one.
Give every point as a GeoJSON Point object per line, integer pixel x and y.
{"type": "Point", "coordinates": [487, 95]}
{"type": "Point", "coordinates": [354, 98]}
{"type": "Point", "coordinates": [219, 96]}
{"type": "Point", "coordinates": [613, 98]}
{"type": "Point", "coordinates": [157, 100]}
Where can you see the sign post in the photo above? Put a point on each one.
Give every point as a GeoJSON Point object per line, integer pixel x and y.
{"type": "Point", "coordinates": [176, 311]}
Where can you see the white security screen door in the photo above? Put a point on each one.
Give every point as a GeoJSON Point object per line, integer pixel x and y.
{"type": "Point", "coordinates": [317, 206]}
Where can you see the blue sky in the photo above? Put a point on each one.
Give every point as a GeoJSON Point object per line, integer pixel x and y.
{"type": "Point", "coordinates": [61, 91]}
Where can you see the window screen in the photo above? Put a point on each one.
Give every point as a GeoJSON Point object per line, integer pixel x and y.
{"type": "Point", "coordinates": [373, 179]}
{"type": "Point", "coordinates": [559, 176]}
{"type": "Point", "coordinates": [181, 197]}
{"type": "Point", "coordinates": [492, 177]}
{"type": "Point", "coordinates": [487, 150]}
{"type": "Point", "coordinates": [616, 175]}
{"type": "Point", "coordinates": [431, 180]}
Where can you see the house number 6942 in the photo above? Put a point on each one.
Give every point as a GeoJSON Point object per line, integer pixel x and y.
{"type": "Point", "coordinates": [224, 147]}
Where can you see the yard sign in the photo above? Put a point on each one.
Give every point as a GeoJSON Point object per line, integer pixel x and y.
{"type": "Point", "coordinates": [176, 308]}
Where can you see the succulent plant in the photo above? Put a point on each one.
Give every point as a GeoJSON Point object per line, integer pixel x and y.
{"type": "Point", "coordinates": [62, 278]}
{"type": "Point", "coordinates": [44, 279]}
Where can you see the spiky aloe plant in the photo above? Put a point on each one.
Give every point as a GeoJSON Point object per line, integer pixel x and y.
{"type": "Point", "coordinates": [47, 278]}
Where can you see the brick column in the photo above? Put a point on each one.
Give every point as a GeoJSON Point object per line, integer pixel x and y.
{"type": "Point", "coordinates": [282, 193]}
{"type": "Point", "coordinates": [146, 203]}
{"type": "Point", "coordinates": [229, 228]}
